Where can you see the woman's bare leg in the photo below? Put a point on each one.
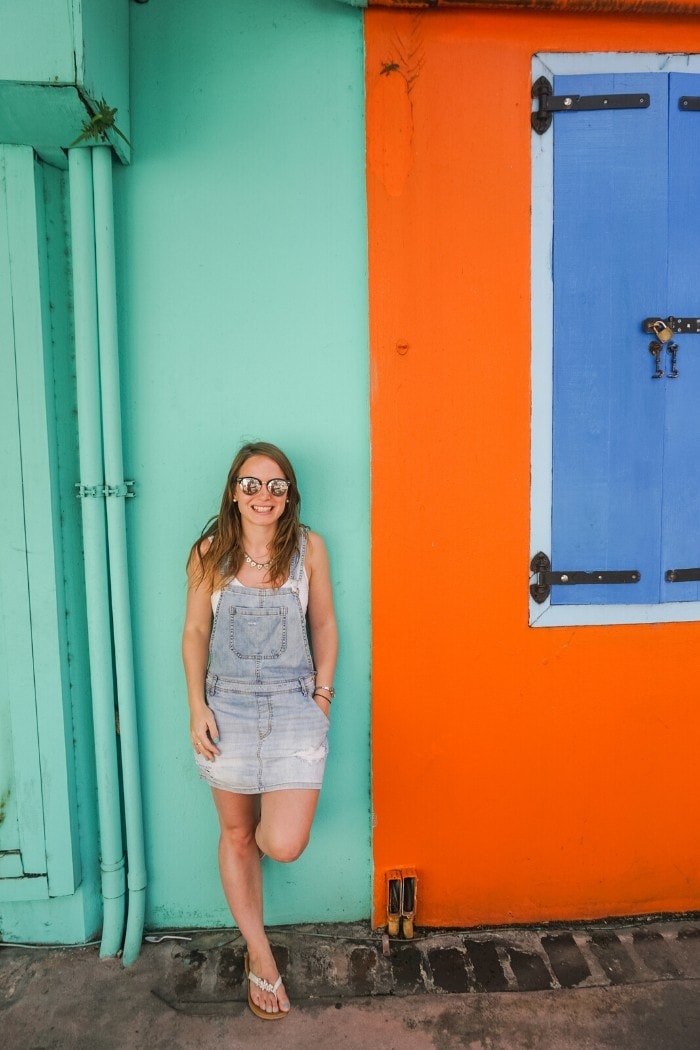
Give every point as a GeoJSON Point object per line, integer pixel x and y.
{"type": "Point", "coordinates": [239, 864]}
{"type": "Point", "coordinates": [279, 824]}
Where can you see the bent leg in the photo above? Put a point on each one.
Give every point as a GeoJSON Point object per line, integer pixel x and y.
{"type": "Point", "coordinates": [285, 822]}
{"type": "Point", "coordinates": [241, 878]}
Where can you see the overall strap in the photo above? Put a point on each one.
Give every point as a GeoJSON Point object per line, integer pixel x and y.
{"type": "Point", "coordinates": [299, 556]}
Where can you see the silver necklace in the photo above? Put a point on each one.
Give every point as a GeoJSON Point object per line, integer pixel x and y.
{"type": "Point", "coordinates": [256, 564]}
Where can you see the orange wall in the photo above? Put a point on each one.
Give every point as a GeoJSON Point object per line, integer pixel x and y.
{"type": "Point", "coordinates": [528, 774]}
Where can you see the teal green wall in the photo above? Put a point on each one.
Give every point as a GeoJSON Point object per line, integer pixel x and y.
{"type": "Point", "coordinates": [242, 290]}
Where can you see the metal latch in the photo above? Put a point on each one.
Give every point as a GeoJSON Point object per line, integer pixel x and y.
{"type": "Point", "coordinates": [678, 325]}
{"type": "Point", "coordinates": [546, 578]}
{"type": "Point", "coordinates": [549, 103]}
{"type": "Point", "coordinates": [663, 332]}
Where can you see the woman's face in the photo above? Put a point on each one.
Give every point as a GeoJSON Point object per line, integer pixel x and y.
{"type": "Point", "coordinates": [262, 507]}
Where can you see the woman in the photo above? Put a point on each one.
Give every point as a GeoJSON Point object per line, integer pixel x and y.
{"type": "Point", "coordinates": [259, 701]}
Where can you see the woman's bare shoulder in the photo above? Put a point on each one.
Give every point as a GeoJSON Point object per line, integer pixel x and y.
{"type": "Point", "coordinates": [195, 566]}
{"type": "Point", "coordinates": [314, 539]}
{"type": "Point", "coordinates": [317, 553]}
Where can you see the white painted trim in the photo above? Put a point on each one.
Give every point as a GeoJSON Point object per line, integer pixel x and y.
{"type": "Point", "coordinates": [592, 615]}
{"type": "Point", "coordinates": [612, 62]}
{"type": "Point", "coordinates": [542, 325]}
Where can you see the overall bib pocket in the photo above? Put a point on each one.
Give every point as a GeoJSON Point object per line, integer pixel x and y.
{"type": "Point", "coordinates": [258, 634]}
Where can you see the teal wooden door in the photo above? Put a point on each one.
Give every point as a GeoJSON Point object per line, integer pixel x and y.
{"type": "Point", "coordinates": [22, 842]}
{"type": "Point", "coordinates": [626, 446]}
{"type": "Point", "coordinates": [39, 854]}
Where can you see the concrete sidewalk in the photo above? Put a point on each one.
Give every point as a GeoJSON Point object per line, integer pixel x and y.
{"type": "Point", "coordinates": [632, 987]}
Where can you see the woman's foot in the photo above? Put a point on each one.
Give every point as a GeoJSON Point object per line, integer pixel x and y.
{"type": "Point", "coordinates": [267, 996]}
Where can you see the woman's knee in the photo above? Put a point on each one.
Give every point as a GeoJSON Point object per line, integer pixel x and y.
{"type": "Point", "coordinates": [283, 846]}
{"type": "Point", "coordinates": [237, 837]}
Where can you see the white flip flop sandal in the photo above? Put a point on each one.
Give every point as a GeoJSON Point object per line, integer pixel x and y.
{"type": "Point", "coordinates": [264, 986]}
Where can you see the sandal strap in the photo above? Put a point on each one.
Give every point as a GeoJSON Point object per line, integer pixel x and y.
{"type": "Point", "coordinates": [264, 985]}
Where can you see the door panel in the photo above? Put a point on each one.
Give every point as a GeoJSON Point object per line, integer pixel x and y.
{"type": "Point", "coordinates": [626, 468]}
{"type": "Point", "coordinates": [681, 506]}
{"type": "Point", "coordinates": [10, 858]}
{"type": "Point", "coordinates": [22, 846]}
{"type": "Point", "coordinates": [38, 816]}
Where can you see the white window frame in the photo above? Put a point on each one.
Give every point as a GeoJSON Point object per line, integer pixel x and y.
{"type": "Point", "coordinates": [542, 327]}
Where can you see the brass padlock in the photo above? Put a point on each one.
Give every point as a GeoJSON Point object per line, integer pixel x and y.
{"type": "Point", "coordinates": [662, 331]}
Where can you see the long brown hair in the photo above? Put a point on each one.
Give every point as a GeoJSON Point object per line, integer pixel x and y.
{"type": "Point", "coordinates": [219, 561]}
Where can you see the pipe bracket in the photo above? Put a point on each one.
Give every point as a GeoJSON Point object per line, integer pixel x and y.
{"type": "Point", "coordinates": [126, 489]}
{"type": "Point", "coordinates": [89, 491]}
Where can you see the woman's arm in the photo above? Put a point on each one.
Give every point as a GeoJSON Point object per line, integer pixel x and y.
{"type": "Point", "coordinates": [321, 615]}
{"type": "Point", "coordinates": [195, 654]}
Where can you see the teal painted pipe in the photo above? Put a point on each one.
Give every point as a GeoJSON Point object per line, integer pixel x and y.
{"type": "Point", "coordinates": [95, 549]}
{"type": "Point", "coordinates": [115, 489]}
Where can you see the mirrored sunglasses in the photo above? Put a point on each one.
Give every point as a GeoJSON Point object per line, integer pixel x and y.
{"type": "Point", "coordinates": [275, 486]}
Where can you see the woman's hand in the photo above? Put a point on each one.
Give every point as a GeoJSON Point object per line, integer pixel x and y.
{"type": "Point", "coordinates": [204, 733]}
{"type": "Point", "coordinates": [322, 702]}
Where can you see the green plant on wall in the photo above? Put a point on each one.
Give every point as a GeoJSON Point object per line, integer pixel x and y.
{"type": "Point", "coordinates": [98, 125]}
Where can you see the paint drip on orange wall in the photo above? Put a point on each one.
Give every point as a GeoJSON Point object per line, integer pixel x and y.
{"type": "Point", "coordinates": [527, 775]}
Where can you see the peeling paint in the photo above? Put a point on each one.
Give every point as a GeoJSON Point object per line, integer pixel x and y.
{"type": "Point", "coordinates": [4, 799]}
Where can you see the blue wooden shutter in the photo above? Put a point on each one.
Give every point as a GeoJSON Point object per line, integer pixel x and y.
{"type": "Point", "coordinates": [680, 522]}
{"type": "Point", "coordinates": [626, 468]}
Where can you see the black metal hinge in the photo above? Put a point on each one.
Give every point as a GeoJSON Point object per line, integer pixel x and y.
{"type": "Point", "coordinates": [541, 118]}
{"type": "Point", "coordinates": [546, 578]}
{"type": "Point", "coordinates": [683, 576]}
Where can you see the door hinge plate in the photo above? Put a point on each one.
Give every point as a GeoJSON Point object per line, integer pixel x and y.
{"type": "Point", "coordinates": [547, 578]}
{"type": "Point", "coordinates": [541, 118]}
{"type": "Point", "coordinates": [682, 576]}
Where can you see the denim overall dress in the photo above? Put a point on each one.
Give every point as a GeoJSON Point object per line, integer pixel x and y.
{"type": "Point", "coordinates": [259, 684]}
